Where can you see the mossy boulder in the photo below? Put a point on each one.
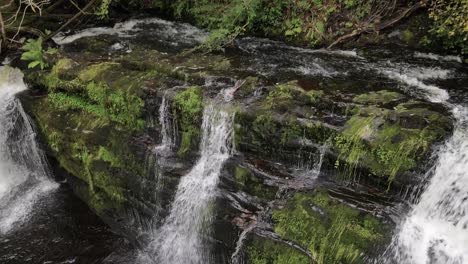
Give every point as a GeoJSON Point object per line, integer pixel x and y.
{"type": "Point", "coordinates": [332, 231]}
{"type": "Point", "coordinates": [276, 125]}
{"type": "Point", "coordinates": [389, 142]}
{"type": "Point", "coordinates": [92, 152]}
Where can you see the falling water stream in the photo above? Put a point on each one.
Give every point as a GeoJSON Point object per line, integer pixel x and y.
{"type": "Point", "coordinates": [23, 170]}
{"type": "Point", "coordinates": [436, 229]}
{"type": "Point", "coordinates": [181, 237]}
{"type": "Point", "coordinates": [167, 130]}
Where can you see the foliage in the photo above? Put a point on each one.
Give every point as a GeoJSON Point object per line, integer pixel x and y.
{"type": "Point", "coordinates": [263, 251]}
{"type": "Point", "coordinates": [309, 21]}
{"type": "Point", "coordinates": [188, 108]}
{"type": "Point", "coordinates": [103, 9]}
{"type": "Point", "coordinates": [450, 19]}
{"type": "Point", "coordinates": [385, 141]}
{"type": "Point", "coordinates": [34, 52]}
{"type": "Point", "coordinates": [107, 104]}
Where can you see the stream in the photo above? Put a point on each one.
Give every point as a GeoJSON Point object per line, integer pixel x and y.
{"type": "Point", "coordinates": [41, 221]}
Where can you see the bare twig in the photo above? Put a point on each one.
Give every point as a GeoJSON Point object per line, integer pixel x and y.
{"type": "Point", "coordinates": [2, 27]}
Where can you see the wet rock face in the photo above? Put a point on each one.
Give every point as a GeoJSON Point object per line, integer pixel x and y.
{"type": "Point", "coordinates": [303, 119]}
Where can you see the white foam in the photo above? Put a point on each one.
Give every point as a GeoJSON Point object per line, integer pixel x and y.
{"type": "Point", "coordinates": [437, 57]}
{"type": "Point", "coordinates": [166, 29]}
{"type": "Point", "coordinates": [315, 69]}
{"type": "Point", "coordinates": [431, 92]}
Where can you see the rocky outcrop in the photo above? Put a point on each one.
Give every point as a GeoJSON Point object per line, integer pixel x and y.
{"type": "Point", "coordinates": [97, 110]}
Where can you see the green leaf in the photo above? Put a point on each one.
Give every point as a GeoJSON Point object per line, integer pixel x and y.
{"type": "Point", "coordinates": [33, 64]}
{"type": "Point", "coordinates": [320, 27]}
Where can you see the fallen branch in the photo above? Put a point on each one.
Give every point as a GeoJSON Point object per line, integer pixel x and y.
{"type": "Point", "coordinates": [29, 30]}
{"type": "Point", "coordinates": [380, 27]}
{"type": "Point", "coordinates": [90, 4]}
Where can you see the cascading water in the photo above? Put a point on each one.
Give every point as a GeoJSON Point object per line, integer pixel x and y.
{"type": "Point", "coordinates": [180, 238]}
{"type": "Point", "coordinates": [167, 141]}
{"type": "Point", "coordinates": [23, 171]}
{"type": "Point", "coordinates": [436, 229]}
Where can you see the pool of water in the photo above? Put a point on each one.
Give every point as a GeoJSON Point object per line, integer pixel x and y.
{"type": "Point", "coordinates": [61, 230]}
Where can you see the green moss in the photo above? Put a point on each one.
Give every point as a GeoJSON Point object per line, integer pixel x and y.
{"type": "Point", "coordinates": [188, 109]}
{"type": "Point", "coordinates": [262, 251]}
{"type": "Point", "coordinates": [93, 71]}
{"type": "Point", "coordinates": [91, 151]}
{"type": "Point", "coordinates": [378, 98]}
{"type": "Point", "coordinates": [291, 130]}
{"type": "Point", "coordinates": [106, 155]}
{"type": "Point", "coordinates": [333, 232]}
{"type": "Point", "coordinates": [315, 95]}
{"type": "Point", "coordinates": [281, 95]}
{"type": "Point", "coordinates": [222, 65]}
{"type": "Point", "coordinates": [408, 36]}
{"type": "Point", "coordinates": [106, 104]}
{"type": "Point", "coordinates": [386, 142]}
{"type": "Point", "coordinates": [249, 183]}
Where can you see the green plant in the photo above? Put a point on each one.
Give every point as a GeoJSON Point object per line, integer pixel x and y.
{"type": "Point", "coordinates": [34, 52]}
{"type": "Point", "coordinates": [188, 108]}
{"type": "Point", "coordinates": [450, 23]}
{"type": "Point", "coordinates": [103, 9]}
{"type": "Point", "coordinates": [332, 231]}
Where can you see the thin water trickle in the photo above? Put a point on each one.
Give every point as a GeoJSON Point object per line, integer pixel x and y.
{"type": "Point", "coordinates": [167, 140]}
{"type": "Point", "coordinates": [23, 170]}
{"type": "Point", "coordinates": [238, 257]}
{"type": "Point", "coordinates": [181, 237]}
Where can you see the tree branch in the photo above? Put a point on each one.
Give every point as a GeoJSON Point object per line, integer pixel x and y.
{"type": "Point", "coordinates": [380, 27]}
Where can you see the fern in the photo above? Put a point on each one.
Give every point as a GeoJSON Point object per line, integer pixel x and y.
{"type": "Point", "coordinates": [34, 52]}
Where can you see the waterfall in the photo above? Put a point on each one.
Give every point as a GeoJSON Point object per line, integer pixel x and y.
{"type": "Point", "coordinates": [167, 141]}
{"type": "Point", "coordinates": [23, 170]}
{"type": "Point", "coordinates": [436, 228]}
{"type": "Point", "coordinates": [180, 238]}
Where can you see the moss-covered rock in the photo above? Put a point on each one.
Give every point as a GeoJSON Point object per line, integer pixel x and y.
{"type": "Point", "coordinates": [389, 142]}
{"type": "Point", "coordinates": [382, 97]}
{"type": "Point", "coordinates": [91, 151]}
{"type": "Point", "coordinates": [333, 232]}
{"type": "Point", "coordinates": [263, 251]}
{"type": "Point", "coordinates": [250, 183]}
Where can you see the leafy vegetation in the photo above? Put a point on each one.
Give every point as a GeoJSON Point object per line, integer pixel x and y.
{"type": "Point", "coordinates": [450, 19]}
{"type": "Point", "coordinates": [331, 231]}
{"type": "Point", "coordinates": [188, 109]}
{"type": "Point", "coordinates": [107, 104]}
{"type": "Point", "coordinates": [34, 52]}
{"type": "Point", "coordinates": [388, 142]}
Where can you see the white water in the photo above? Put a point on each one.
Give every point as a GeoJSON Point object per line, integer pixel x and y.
{"type": "Point", "coordinates": [437, 57]}
{"type": "Point", "coordinates": [436, 229]}
{"type": "Point", "coordinates": [23, 171]}
{"type": "Point", "coordinates": [180, 238]}
{"type": "Point", "coordinates": [236, 257]}
{"type": "Point", "coordinates": [167, 141]}
{"type": "Point", "coordinates": [166, 30]}
{"type": "Point", "coordinates": [415, 77]}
